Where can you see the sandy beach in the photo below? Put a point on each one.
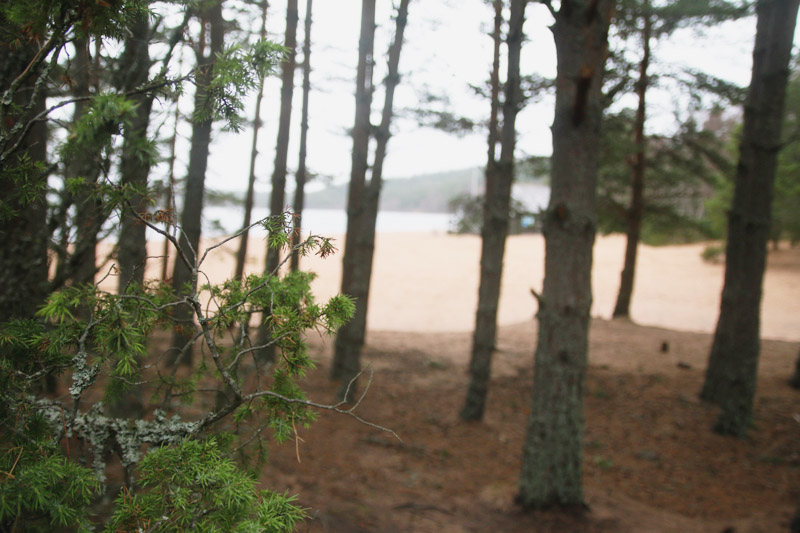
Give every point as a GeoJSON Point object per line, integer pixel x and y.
{"type": "Point", "coordinates": [428, 282]}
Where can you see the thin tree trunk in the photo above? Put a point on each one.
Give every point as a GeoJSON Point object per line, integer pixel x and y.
{"type": "Point", "coordinates": [733, 363]}
{"type": "Point", "coordinates": [277, 198]}
{"type": "Point", "coordinates": [360, 244]}
{"type": "Point", "coordinates": [795, 380]}
{"type": "Point", "coordinates": [551, 459]}
{"type": "Point", "coordinates": [169, 202]}
{"type": "Point", "coordinates": [191, 217]}
{"type": "Point", "coordinates": [82, 264]}
{"type": "Point", "coordinates": [300, 177]}
{"type": "Point", "coordinates": [241, 254]}
{"type": "Point", "coordinates": [133, 169]}
{"type": "Point", "coordinates": [499, 179]}
{"type": "Point", "coordinates": [636, 210]}
{"type": "Point", "coordinates": [497, 41]}
{"type": "Point", "coordinates": [356, 190]}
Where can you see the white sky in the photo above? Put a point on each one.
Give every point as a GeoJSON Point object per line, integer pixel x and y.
{"type": "Point", "coordinates": [446, 48]}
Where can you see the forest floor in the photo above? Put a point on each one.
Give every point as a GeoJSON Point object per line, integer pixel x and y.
{"type": "Point", "coordinates": [651, 462]}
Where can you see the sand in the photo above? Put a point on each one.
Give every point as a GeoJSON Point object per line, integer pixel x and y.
{"type": "Point", "coordinates": [425, 282]}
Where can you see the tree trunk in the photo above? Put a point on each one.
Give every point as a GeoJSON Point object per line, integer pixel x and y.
{"type": "Point", "coordinates": [795, 380]}
{"type": "Point", "coordinates": [133, 169]}
{"type": "Point", "coordinates": [23, 255]}
{"type": "Point", "coordinates": [169, 202]}
{"type": "Point", "coordinates": [345, 363]}
{"type": "Point", "coordinates": [277, 198]}
{"type": "Point", "coordinates": [241, 254]}
{"type": "Point", "coordinates": [494, 108]}
{"type": "Point", "coordinates": [499, 179]}
{"type": "Point", "coordinates": [360, 244]}
{"type": "Point", "coordinates": [300, 177]}
{"type": "Point", "coordinates": [733, 363]}
{"type": "Point", "coordinates": [82, 265]}
{"type": "Point", "coordinates": [636, 210]}
{"type": "Point", "coordinates": [191, 217]}
{"type": "Point", "coordinates": [551, 460]}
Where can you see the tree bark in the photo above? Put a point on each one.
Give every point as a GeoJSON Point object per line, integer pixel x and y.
{"type": "Point", "coordinates": [133, 169]}
{"type": "Point", "coordinates": [497, 200]}
{"type": "Point", "coordinates": [795, 380]}
{"type": "Point", "coordinates": [277, 198]}
{"type": "Point", "coordinates": [363, 199]}
{"type": "Point", "coordinates": [82, 265]}
{"type": "Point", "coordinates": [23, 255]}
{"type": "Point", "coordinates": [191, 217]}
{"type": "Point", "coordinates": [169, 202]}
{"type": "Point", "coordinates": [635, 213]}
{"type": "Point", "coordinates": [241, 254]}
{"type": "Point", "coordinates": [551, 459]}
{"type": "Point", "coordinates": [343, 362]}
{"type": "Point", "coordinates": [300, 177]}
{"type": "Point", "coordinates": [494, 82]}
{"type": "Point", "coordinates": [733, 363]}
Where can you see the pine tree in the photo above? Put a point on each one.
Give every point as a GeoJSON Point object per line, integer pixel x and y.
{"type": "Point", "coordinates": [733, 363]}
{"type": "Point", "coordinates": [496, 214]}
{"type": "Point", "coordinates": [183, 279]}
{"type": "Point", "coordinates": [241, 254]}
{"type": "Point", "coordinates": [301, 177]}
{"type": "Point", "coordinates": [363, 196]}
{"type": "Point", "coordinates": [551, 459]}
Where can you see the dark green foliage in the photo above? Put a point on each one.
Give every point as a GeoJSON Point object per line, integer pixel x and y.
{"type": "Point", "coordinates": [101, 339]}
{"type": "Point", "coordinates": [682, 171]}
{"type": "Point", "coordinates": [195, 486]}
{"type": "Point", "coordinates": [177, 463]}
{"type": "Point", "coordinates": [236, 73]}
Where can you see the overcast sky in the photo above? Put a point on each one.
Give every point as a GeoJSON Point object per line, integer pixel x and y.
{"type": "Point", "coordinates": [446, 49]}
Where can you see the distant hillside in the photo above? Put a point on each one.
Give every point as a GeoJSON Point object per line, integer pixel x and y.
{"type": "Point", "coordinates": [429, 193]}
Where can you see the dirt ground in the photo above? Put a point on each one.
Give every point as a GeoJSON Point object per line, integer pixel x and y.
{"type": "Point", "coordinates": [651, 462]}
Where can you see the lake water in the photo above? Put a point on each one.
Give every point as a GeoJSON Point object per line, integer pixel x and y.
{"type": "Point", "coordinates": [226, 220]}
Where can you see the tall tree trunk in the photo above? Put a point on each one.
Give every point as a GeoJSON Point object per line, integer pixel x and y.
{"type": "Point", "coordinates": [362, 213]}
{"type": "Point", "coordinates": [82, 265]}
{"type": "Point", "coordinates": [733, 363]}
{"type": "Point", "coordinates": [277, 198]}
{"type": "Point", "coordinates": [241, 254]}
{"type": "Point", "coordinates": [169, 201]}
{"type": "Point", "coordinates": [23, 254]}
{"type": "Point", "coordinates": [551, 459]}
{"type": "Point", "coordinates": [134, 170]}
{"type": "Point", "coordinates": [499, 178]}
{"type": "Point", "coordinates": [795, 380]}
{"type": "Point", "coordinates": [300, 177]}
{"type": "Point", "coordinates": [191, 217]}
{"type": "Point", "coordinates": [636, 210]}
{"type": "Point", "coordinates": [355, 195]}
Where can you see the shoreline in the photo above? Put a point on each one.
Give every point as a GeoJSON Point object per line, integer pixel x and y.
{"type": "Point", "coordinates": [428, 282]}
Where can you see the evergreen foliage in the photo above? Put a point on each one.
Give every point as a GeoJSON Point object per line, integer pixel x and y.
{"type": "Point", "coordinates": [183, 465]}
